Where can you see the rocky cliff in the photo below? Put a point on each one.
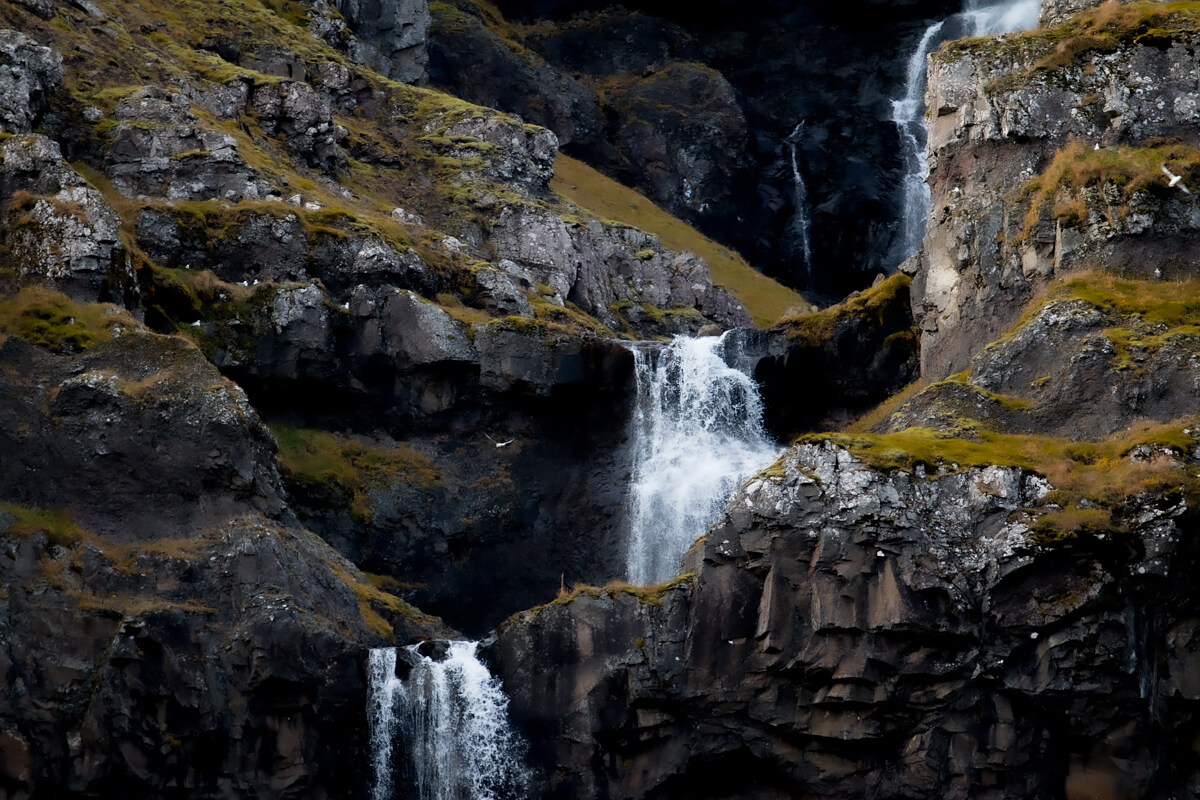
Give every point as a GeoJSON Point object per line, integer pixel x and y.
{"type": "Point", "coordinates": [294, 351]}
{"type": "Point", "coordinates": [267, 313]}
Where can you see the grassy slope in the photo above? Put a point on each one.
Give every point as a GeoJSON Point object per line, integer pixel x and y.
{"type": "Point", "coordinates": [765, 299]}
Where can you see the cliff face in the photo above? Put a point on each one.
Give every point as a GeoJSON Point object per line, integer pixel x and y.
{"type": "Point", "coordinates": [855, 631]}
{"type": "Point", "coordinates": [216, 215]}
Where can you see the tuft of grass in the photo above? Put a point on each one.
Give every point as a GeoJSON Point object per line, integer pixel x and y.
{"type": "Point", "coordinates": [52, 320]}
{"type": "Point", "coordinates": [764, 298]}
{"type": "Point", "coordinates": [1128, 169]}
{"type": "Point", "coordinates": [58, 525]}
{"type": "Point", "coordinates": [817, 328]}
{"type": "Point", "coordinates": [330, 469]}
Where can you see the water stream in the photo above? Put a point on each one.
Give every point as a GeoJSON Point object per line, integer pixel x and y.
{"type": "Point", "coordinates": [451, 717]}
{"type": "Point", "coordinates": [802, 220]}
{"type": "Point", "coordinates": [698, 434]}
{"type": "Point", "coordinates": [978, 18]}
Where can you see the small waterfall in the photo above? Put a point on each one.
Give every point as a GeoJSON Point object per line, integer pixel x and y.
{"type": "Point", "coordinates": [452, 718]}
{"type": "Point", "coordinates": [698, 435]}
{"type": "Point", "coordinates": [908, 112]}
{"type": "Point", "coordinates": [978, 18]}
{"type": "Point", "coordinates": [802, 221]}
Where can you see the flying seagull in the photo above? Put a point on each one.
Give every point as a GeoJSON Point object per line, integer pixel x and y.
{"type": "Point", "coordinates": [1174, 179]}
{"type": "Point", "coordinates": [499, 444]}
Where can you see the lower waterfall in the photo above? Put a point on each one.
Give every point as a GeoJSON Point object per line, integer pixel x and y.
{"type": "Point", "coordinates": [698, 434]}
{"type": "Point", "coordinates": [451, 718]}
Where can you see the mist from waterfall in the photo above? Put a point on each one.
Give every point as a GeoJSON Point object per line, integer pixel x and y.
{"type": "Point", "coordinates": [978, 18]}
{"type": "Point", "coordinates": [697, 435]}
{"type": "Point", "coordinates": [451, 717]}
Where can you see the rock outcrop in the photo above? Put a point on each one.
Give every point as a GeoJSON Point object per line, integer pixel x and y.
{"type": "Point", "coordinates": [167, 628]}
{"type": "Point", "coordinates": [1045, 153]}
{"type": "Point", "coordinates": [856, 631]}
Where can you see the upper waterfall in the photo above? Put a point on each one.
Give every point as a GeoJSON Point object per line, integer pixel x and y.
{"type": "Point", "coordinates": [698, 434]}
{"type": "Point", "coordinates": [978, 18]}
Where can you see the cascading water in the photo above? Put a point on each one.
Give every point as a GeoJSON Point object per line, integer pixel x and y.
{"type": "Point", "coordinates": [698, 435]}
{"type": "Point", "coordinates": [802, 221]}
{"type": "Point", "coordinates": [978, 18]}
{"type": "Point", "coordinates": [452, 717]}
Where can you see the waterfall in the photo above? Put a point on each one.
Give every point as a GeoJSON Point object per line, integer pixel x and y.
{"type": "Point", "coordinates": [698, 434]}
{"type": "Point", "coordinates": [978, 18]}
{"type": "Point", "coordinates": [801, 222]}
{"type": "Point", "coordinates": [452, 718]}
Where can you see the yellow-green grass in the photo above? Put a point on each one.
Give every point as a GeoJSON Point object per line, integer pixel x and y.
{"type": "Point", "coordinates": [54, 321]}
{"type": "Point", "coordinates": [1097, 477]}
{"type": "Point", "coordinates": [765, 299]}
{"type": "Point", "coordinates": [816, 329]}
{"type": "Point", "coordinates": [1077, 165]}
{"type": "Point", "coordinates": [330, 467]}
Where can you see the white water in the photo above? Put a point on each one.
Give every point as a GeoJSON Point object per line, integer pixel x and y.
{"type": "Point", "coordinates": [698, 435]}
{"type": "Point", "coordinates": [978, 18]}
{"type": "Point", "coordinates": [802, 221]}
{"type": "Point", "coordinates": [452, 718]}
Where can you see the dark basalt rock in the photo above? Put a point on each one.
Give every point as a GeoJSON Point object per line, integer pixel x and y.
{"type": "Point", "coordinates": [858, 633]}
{"type": "Point", "coordinates": [164, 629]}
{"type": "Point", "coordinates": [834, 68]}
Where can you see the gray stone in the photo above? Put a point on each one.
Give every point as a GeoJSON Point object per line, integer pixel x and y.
{"type": "Point", "coordinates": [28, 74]}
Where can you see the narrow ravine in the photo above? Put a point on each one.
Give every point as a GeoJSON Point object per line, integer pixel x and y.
{"type": "Point", "coordinates": [697, 435]}
{"type": "Point", "coordinates": [450, 716]}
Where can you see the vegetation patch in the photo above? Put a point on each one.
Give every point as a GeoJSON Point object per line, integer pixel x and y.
{"type": "Point", "coordinates": [58, 525]}
{"type": "Point", "coordinates": [764, 299]}
{"type": "Point", "coordinates": [52, 320]}
{"type": "Point", "coordinates": [874, 304]}
{"type": "Point", "coordinates": [1122, 171]}
{"type": "Point", "coordinates": [327, 469]}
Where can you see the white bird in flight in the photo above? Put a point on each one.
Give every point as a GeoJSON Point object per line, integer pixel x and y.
{"type": "Point", "coordinates": [499, 444]}
{"type": "Point", "coordinates": [1175, 180]}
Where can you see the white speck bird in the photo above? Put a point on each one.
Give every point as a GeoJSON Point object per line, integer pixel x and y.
{"type": "Point", "coordinates": [1175, 180]}
{"type": "Point", "coordinates": [499, 444]}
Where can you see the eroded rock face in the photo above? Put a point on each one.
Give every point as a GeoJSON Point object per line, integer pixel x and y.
{"type": "Point", "coordinates": [391, 34]}
{"type": "Point", "coordinates": [160, 147]}
{"type": "Point", "coordinates": [61, 231]}
{"type": "Point", "coordinates": [856, 632]}
{"type": "Point", "coordinates": [596, 266]}
{"type": "Point", "coordinates": [133, 427]}
{"type": "Point", "coordinates": [1032, 379]}
{"type": "Point", "coordinates": [28, 73]}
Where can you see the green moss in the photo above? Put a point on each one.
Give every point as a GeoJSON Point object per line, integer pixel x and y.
{"type": "Point", "coordinates": [816, 329]}
{"type": "Point", "coordinates": [764, 299]}
{"type": "Point", "coordinates": [1063, 526]}
{"type": "Point", "coordinates": [52, 320]}
{"type": "Point", "coordinates": [58, 525]}
{"type": "Point", "coordinates": [327, 469]}
{"type": "Point", "coordinates": [645, 595]}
